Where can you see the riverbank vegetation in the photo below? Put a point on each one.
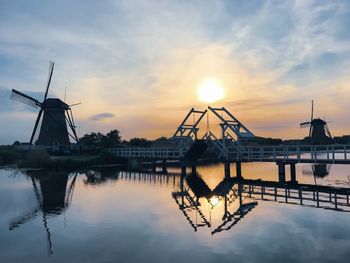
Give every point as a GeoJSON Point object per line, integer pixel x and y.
{"type": "Point", "coordinates": [93, 151]}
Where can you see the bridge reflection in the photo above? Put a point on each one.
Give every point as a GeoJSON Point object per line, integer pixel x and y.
{"type": "Point", "coordinates": [239, 196]}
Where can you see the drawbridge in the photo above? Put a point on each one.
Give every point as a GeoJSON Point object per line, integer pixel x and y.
{"type": "Point", "coordinates": [234, 143]}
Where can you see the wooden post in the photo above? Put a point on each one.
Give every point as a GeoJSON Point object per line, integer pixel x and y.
{"type": "Point", "coordinates": [285, 194]}
{"type": "Point", "coordinates": [293, 177]}
{"type": "Point", "coordinates": [281, 173]}
{"type": "Point", "coordinates": [275, 193]}
{"type": "Point", "coordinates": [164, 170]}
{"type": "Point", "coordinates": [183, 170]}
{"type": "Point", "coordinates": [238, 170]}
{"type": "Point", "coordinates": [227, 169]}
{"type": "Point", "coordinates": [154, 166]}
{"type": "Point", "coordinates": [194, 170]}
{"type": "Point", "coordinates": [345, 157]}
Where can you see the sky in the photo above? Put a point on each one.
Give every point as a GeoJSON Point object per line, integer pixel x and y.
{"type": "Point", "coordinates": [136, 65]}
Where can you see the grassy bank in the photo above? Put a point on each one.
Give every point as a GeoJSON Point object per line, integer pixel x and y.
{"type": "Point", "coordinates": [9, 156]}
{"type": "Point", "coordinates": [41, 159]}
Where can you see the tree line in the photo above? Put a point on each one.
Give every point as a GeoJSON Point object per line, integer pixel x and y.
{"type": "Point", "coordinates": [113, 139]}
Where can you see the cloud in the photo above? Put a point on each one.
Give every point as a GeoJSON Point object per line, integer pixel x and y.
{"type": "Point", "coordinates": [102, 116]}
{"type": "Point", "coordinates": [146, 59]}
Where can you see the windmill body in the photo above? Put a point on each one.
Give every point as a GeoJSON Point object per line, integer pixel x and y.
{"type": "Point", "coordinates": [53, 128]}
{"type": "Point", "coordinates": [56, 114]}
{"type": "Point", "coordinates": [319, 132]}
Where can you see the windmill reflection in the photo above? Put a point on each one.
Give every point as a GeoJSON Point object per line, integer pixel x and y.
{"type": "Point", "coordinates": [236, 197]}
{"type": "Point", "coordinates": [318, 170]}
{"type": "Point", "coordinates": [53, 193]}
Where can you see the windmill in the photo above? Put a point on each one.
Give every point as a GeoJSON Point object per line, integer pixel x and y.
{"type": "Point", "coordinates": [56, 115]}
{"type": "Point", "coordinates": [318, 130]}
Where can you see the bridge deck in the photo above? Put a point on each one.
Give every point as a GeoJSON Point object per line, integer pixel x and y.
{"type": "Point", "coordinates": [328, 154]}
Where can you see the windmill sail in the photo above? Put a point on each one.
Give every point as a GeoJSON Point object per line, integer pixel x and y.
{"type": "Point", "coordinates": [25, 99]}
{"type": "Point", "coordinates": [51, 67]}
{"type": "Point", "coordinates": [305, 124]}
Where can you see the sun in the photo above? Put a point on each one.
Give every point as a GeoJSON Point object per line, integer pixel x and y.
{"type": "Point", "coordinates": [210, 91]}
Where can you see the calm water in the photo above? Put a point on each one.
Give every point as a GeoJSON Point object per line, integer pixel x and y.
{"type": "Point", "coordinates": [114, 216]}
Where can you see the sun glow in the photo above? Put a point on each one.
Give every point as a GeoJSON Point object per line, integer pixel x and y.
{"type": "Point", "coordinates": [210, 91]}
{"type": "Point", "coordinates": [214, 200]}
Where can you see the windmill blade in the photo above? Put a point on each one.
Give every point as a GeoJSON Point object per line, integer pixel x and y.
{"type": "Point", "coordinates": [70, 120]}
{"type": "Point", "coordinates": [328, 133]}
{"type": "Point", "coordinates": [69, 196]}
{"type": "Point", "coordinates": [16, 222]}
{"type": "Point", "coordinates": [75, 104]}
{"type": "Point", "coordinates": [20, 220]}
{"type": "Point", "coordinates": [305, 124]}
{"type": "Point", "coordinates": [310, 132]}
{"type": "Point", "coordinates": [51, 67]}
{"type": "Point", "coordinates": [35, 127]}
{"type": "Point", "coordinates": [25, 99]}
{"type": "Point", "coordinates": [312, 110]}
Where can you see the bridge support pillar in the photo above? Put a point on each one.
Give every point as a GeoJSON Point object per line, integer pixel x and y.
{"type": "Point", "coordinates": [154, 166]}
{"type": "Point", "coordinates": [194, 170]}
{"type": "Point", "coordinates": [238, 170]}
{"type": "Point", "coordinates": [183, 170]}
{"type": "Point", "coordinates": [281, 173]}
{"type": "Point", "coordinates": [227, 170]}
{"type": "Point", "coordinates": [293, 176]}
{"type": "Point", "coordinates": [164, 170]}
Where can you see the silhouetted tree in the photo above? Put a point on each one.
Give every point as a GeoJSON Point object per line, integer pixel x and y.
{"type": "Point", "coordinates": [140, 142]}
{"type": "Point", "coordinates": [112, 139]}
{"type": "Point", "coordinates": [101, 141]}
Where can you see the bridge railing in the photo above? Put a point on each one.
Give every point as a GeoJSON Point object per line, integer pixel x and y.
{"type": "Point", "coordinates": [161, 153]}
{"type": "Point", "coordinates": [331, 153]}
{"type": "Point", "coordinates": [311, 195]}
{"type": "Point", "coordinates": [67, 147]}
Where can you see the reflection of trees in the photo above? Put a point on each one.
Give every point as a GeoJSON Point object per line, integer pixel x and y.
{"type": "Point", "coordinates": [100, 176]}
{"type": "Point", "coordinates": [53, 198]}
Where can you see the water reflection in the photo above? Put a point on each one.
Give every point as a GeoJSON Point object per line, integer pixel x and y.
{"type": "Point", "coordinates": [53, 194]}
{"type": "Point", "coordinates": [202, 202]}
{"type": "Point", "coordinates": [238, 197]}
{"type": "Point", "coordinates": [318, 170]}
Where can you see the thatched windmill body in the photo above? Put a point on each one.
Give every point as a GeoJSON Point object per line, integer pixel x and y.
{"type": "Point", "coordinates": [56, 115]}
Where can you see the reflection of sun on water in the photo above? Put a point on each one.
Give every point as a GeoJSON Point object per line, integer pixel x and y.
{"type": "Point", "coordinates": [214, 200]}
{"type": "Point", "coordinates": [210, 91]}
